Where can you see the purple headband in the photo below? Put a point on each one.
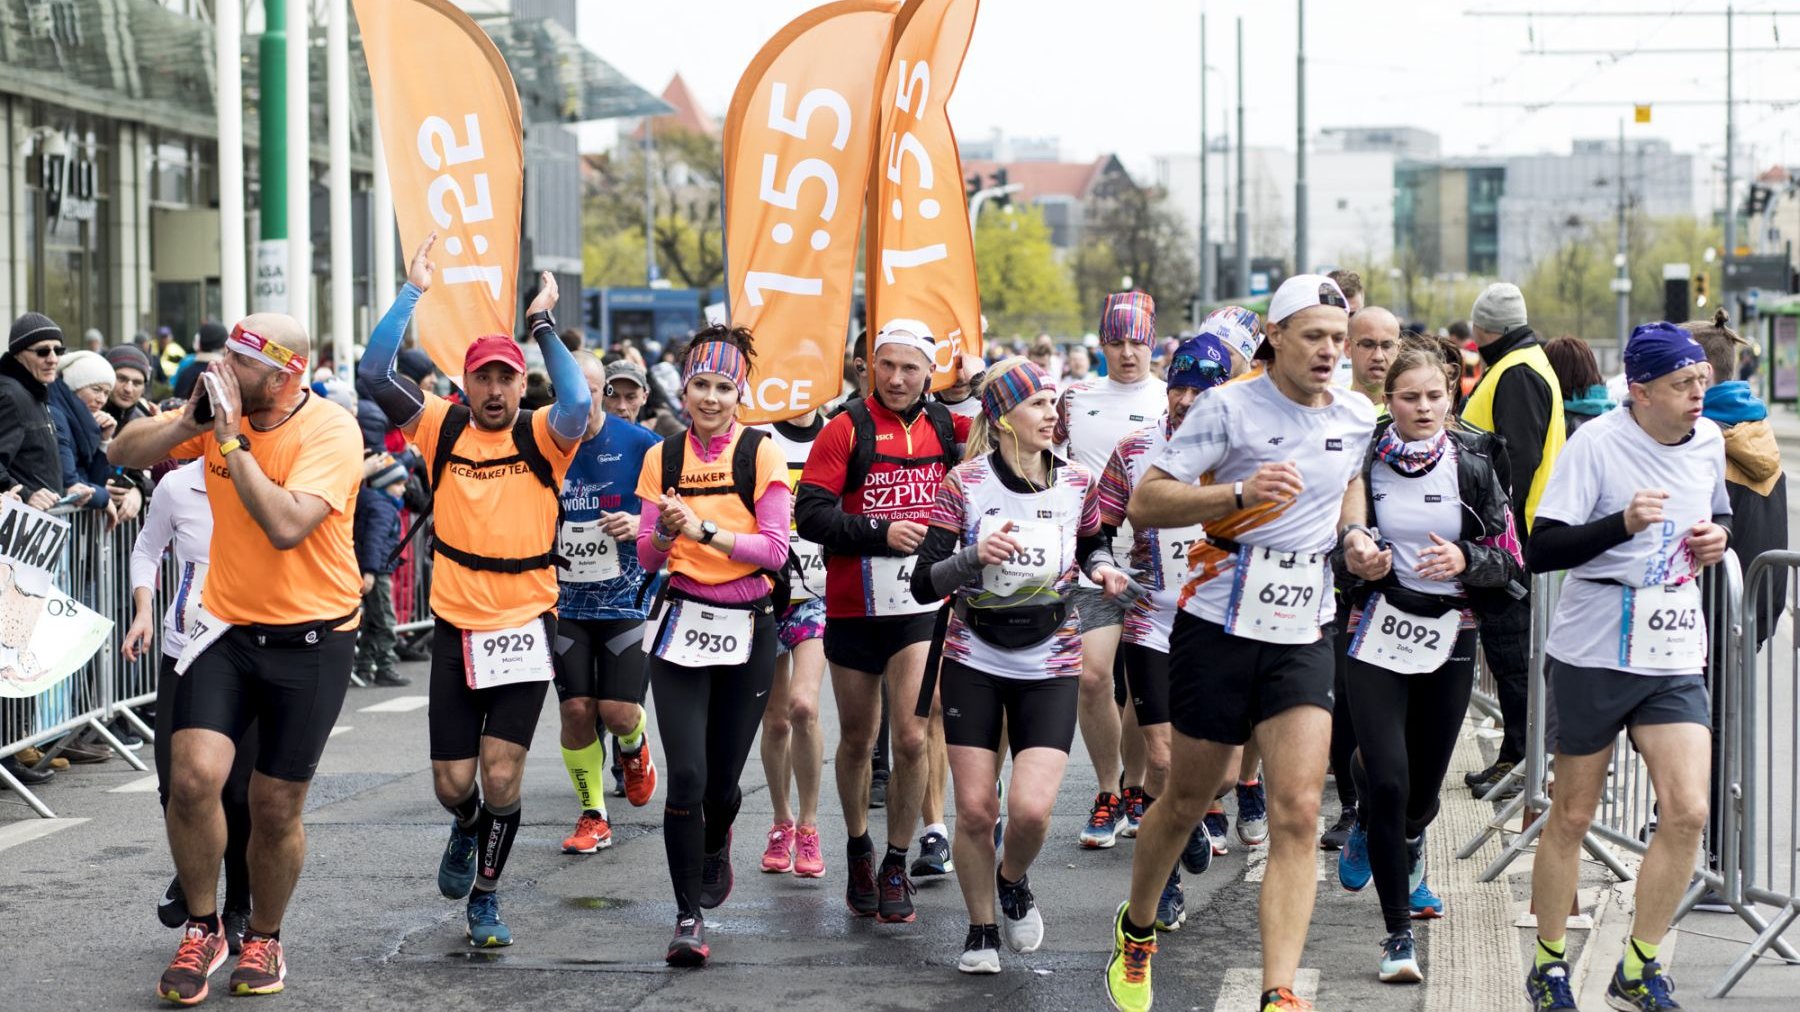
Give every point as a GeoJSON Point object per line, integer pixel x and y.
{"type": "Point", "coordinates": [718, 357]}
{"type": "Point", "coordinates": [1006, 388]}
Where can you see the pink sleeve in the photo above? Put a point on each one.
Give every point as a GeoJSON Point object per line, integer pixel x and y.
{"type": "Point", "coordinates": [768, 547]}
{"type": "Point", "coordinates": [649, 556]}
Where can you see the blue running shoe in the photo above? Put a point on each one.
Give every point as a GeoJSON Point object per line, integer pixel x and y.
{"type": "Point", "coordinates": [1218, 826]}
{"type": "Point", "coordinates": [1548, 987]}
{"type": "Point", "coordinates": [1426, 905]}
{"type": "Point", "coordinates": [1415, 863]}
{"type": "Point", "coordinates": [486, 929]}
{"type": "Point", "coordinates": [1353, 861]}
{"type": "Point", "coordinates": [1652, 992]}
{"type": "Point", "coordinates": [456, 870]}
{"type": "Point", "coordinates": [1399, 963]}
{"type": "Point", "coordinates": [1252, 814]}
{"type": "Point", "coordinates": [1197, 856]}
{"type": "Point", "coordinates": [1171, 910]}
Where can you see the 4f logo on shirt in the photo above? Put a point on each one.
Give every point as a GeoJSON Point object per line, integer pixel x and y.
{"type": "Point", "coordinates": [1276, 440]}
{"type": "Point", "coordinates": [1097, 411]}
{"type": "Point", "coordinates": [1334, 444]}
{"type": "Point", "coordinates": [993, 511]}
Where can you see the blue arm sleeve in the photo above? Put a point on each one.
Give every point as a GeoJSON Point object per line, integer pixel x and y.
{"type": "Point", "coordinates": [569, 415]}
{"type": "Point", "coordinates": [401, 402]}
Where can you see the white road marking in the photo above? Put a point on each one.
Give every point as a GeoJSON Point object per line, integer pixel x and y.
{"type": "Point", "coordinates": [399, 704]}
{"type": "Point", "coordinates": [340, 729]}
{"type": "Point", "coordinates": [1243, 986]}
{"type": "Point", "coordinates": [26, 831]}
{"type": "Point", "coordinates": [142, 785]}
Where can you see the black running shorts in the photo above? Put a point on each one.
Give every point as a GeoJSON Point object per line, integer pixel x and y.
{"type": "Point", "coordinates": [1221, 686]}
{"type": "Point", "coordinates": [460, 716]}
{"type": "Point", "coordinates": [288, 680]}
{"type": "Point", "coordinates": [1035, 712]}
{"type": "Point", "coordinates": [1146, 678]}
{"type": "Point", "coordinates": [867, 644]}
{"type": "Point", "coordinates": [599, 659]}
{"type": "Point", "coordinates": [1594, 704]}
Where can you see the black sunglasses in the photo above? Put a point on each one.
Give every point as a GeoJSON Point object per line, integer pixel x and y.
{"type": "Point", "coordinates": [48, 350]}
{"type": "Point", "coordinates": [1330, 296]}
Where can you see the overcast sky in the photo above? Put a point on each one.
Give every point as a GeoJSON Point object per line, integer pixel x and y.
{"type": "Point", "coordinates": [1122, 75]}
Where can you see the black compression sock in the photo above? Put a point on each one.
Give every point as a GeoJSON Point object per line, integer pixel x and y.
{"type": "Point", "coordinates": [861, 846]}
{"type": "Point", "coordinates": [467, 811]}
{"type": "Point", "coordinates": [719, 818]}
{"type": "Point", "coordinates": [895, 855]}
{"type": "Point", "coordinates": [210, 922]}
{"type": "Point", "coordinates": [495, 830]}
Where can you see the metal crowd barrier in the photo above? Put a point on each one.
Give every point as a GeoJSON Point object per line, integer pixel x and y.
{"type": "Point", "coordinates": [412, 583]}
{"type": "Point", "coordinates": [96, 572]}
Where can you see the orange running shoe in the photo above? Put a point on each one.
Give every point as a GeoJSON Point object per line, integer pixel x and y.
{"type": "Point", "coordinates": [184, 982]}
{"type": "Point", "coordinates": [592, 832]}
{"type": "Point", "coordinates": [640, 775]}
{"type": "Point", "coordinates": [260, 968]}
{"type": "Point", "coordinates": [1283, 1000]}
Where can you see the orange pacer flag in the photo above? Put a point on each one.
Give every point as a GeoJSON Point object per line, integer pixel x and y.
{"type": "Point", "coordinates": [921, 254]}
{"type": "Point", "coordinates": [450, 121]}
{"type": "Point", "coordinates": [799, 141]}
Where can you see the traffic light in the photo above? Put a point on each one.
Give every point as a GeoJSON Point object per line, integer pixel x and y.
{"type": "Point", "coordinates": [1700, 290]}
{"type": "Point", "coordinates": [999, 177]}
{"type": "Point", "coordinates": [973, 184]}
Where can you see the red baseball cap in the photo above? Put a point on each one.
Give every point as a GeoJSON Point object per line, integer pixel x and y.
{"type": "Point", "coordinates": [495, 348]}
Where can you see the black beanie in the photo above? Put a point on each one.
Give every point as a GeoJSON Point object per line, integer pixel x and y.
{"type": "Point", "coordinates": [30, 329]}
{"type": "Point", "coordinates": [212, 336]}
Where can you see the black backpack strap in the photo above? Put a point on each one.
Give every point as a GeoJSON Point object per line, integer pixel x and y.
{"type": "Point", "coordinates": [945, 427]}
{"type": "Point", "coordinates": [743, 466]}
{"type": "Point", "coordinates": [449, 431]}
{"type": "Point", "coordinates": [525, 441]}
{"type": "Point", "coordinates": [674, 455]}
{"type": "Point", "coordinates": [862, 447]}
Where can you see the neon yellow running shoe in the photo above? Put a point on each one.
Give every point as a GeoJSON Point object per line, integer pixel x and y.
{"type": "Point", "coordinates": [1128, 972]}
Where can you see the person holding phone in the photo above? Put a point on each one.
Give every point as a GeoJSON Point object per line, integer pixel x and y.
{"type": "Point", "coordinates": [1010, 528]}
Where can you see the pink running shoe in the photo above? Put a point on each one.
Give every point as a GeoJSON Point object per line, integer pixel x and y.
{"type": "Point", "coordinates": [809, 862]}
{"type": "Point", "coordinates": [778, 856]}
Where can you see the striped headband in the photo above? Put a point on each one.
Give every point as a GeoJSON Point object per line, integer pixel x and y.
{"type": "Point", "coordinates": [255, 346]}
{"type": "Point", "coordinates": [1128, 316]}
{"type": "Point", "coordinates": [1010, 385]}
{"type": "Point", "coordinates": [718, 357]}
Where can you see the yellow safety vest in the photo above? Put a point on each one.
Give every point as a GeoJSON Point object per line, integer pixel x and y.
{"type": "Point", "coordinates": [1479, 412]}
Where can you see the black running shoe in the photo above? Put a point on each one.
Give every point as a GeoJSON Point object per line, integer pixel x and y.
{"type": "Point", "coordinates": [895, 905]}
{"type": "Point", "coordinates": [172, 909]}
{"type": "Point", "coordinates": [715, 877]}
{"type": "Point", "coordinates": [1339, 833]}
{"type": "Point", "coordinates": [688, 946]}
{"type": "Point", "coordinates": [860, 893]}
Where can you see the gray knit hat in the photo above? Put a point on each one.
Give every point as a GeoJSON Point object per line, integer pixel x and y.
{"type": "Point", "coordinates": [30, 329]}
{"type": "Point", "coordinates": [1499, 308]}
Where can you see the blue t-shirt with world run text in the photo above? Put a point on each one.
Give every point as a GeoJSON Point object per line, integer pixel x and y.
{"type": "Point", "coordinates": [603, 479]}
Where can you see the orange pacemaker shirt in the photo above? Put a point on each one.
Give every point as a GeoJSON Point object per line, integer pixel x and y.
{"type": "Point", "coordinates": [705, 563]}
{"type": "Point", "coordinates": [316, 452]}
{"type": "Point", "coordinates": [499, 510]}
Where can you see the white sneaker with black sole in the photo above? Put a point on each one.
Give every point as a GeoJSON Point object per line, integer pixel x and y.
{"type": "Point", "coordinates": [981, 950]}
{"type": "Point", "coordinates": [1023, 924]}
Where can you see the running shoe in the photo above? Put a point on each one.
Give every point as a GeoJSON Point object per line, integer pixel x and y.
{"type": "Point", "coordinates": [1021, 921]}
{"type": "Point", "coordinates": [1484, 788]}
{"type": "Point", "coordinates": [1426, 905]}
{"type": "Point", "coordinates": [260, 968]}
{"type": "Point", "coordinates": [809, 860]}
{"type": "Point", "coordinates": [1471, 779]}
{"type": "Point", "coordinates": [860, 893]}
{"type": "Point", "coordinates": [934, 857]}
{"type": "Point", "coordinates": [1133, 811]}
{"type": "Point", "coordinates": [617, 769]}
{"type": "Point", "coordinates": [715, 876]}
{"type": "Point", "coordinates": [172, 909]}
{"type": "Point", "coordinates": [778, 856]}
{"type": "Point", "coordinates": [688, 946]}
{"type": "Point", "coordinates": [1252, 815]}
{"type": "Point", "coordinates": [1102, 829]}
{"type": "Point", "coordinates": [1283, 1000]}
{"type": "Point", "coordinates": [456, 870]}
{"type": "Point", "coordinates": [640, 775]}
{"type": "Point", "coordinates": [1415, 863]}
{"type": "Point", "coordinates": [1128, 972]}
{"type": "Point", "coordinates": [236, 922]}
{"type": "Point", "coordinates": [878, 784]}
{"type": "Point", "coordinates": [1399, 964]}
{"type": "Point", "coordinates": [1171, 908]}
{"type": "Point", "coordinates": [1333, 838]}
{"type": "Point", "coordinates": [1218, 826]}
{"type": "Point", "coordinates": [1651, 992]}
{"type": "Point", "coordinates": [592, 833]}
{"type": "Point", "coordinates": [1353, 861]}
{"type": "Point", "coordinates": [486, 929]}
{"type": "Point", "coordinates": [1548, 987]}
{"type": "Point", "coordinates": [895, 905]}
{"type": "Point", "coordinates": [184, 982]}
{"type": "Point", "coordinates": [1197, 855]}
{"type": "Point", "coordinates": [981, 950]}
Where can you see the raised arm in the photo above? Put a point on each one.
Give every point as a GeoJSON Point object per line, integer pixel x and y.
{"type": "Point", "coordinates": [399, 400]}
{"type": "Point", "coordinates": [569, 414]}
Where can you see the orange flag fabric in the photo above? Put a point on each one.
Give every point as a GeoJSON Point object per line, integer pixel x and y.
{"type": "Point", "coordinates": [921, 254]}
{"type": "Point", "coordinates": [799, 142]}
{"type": "Point", "coordinates": [455, 145]}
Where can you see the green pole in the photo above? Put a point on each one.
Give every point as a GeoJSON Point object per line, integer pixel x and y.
{"type": "Point", "coordinates": [272, 113]}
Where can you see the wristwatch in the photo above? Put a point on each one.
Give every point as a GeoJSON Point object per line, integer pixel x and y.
{"type": "Point", "coordinates": [707, 530]}
{"type": "Point", "coordinates": [237, 442]}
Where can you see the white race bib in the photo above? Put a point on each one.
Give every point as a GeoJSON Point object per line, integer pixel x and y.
{"type": "Point", "coordinates": [1401, 641]}
{"type": "Point", "coordinates": [888, 580]}
{"type": "Point", "coordinates": [592, 553]}
{"type": "Point", "coordinates": [507, 656]}
{"type": "Point", "coordinates": [1035, 566]}
{"type": "Point", "coordinates": [1662, 627]}
{"type": "Point", "coordinates": [1275, 596]}
{"type": "Point", "coordinates": [1175, 543]}
{"type": "Point", "coordinates": [203, 630]}
{"type": "Point", "coordinates": [809, 558]}
{"type": "Point", "coordinates": [695, 634]}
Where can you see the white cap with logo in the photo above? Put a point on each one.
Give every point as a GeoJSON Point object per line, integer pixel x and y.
{"type": "Point", "coordinates": [1304, 291]}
